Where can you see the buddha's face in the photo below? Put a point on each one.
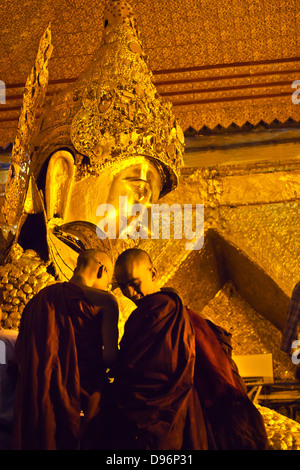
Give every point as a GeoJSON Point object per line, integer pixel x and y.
{"type": "Point", "coordinates": [137, 179]}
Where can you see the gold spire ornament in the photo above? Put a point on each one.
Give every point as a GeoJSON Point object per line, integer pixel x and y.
{"type": "Point", "coordinates": [33, 203]}
{"type": "Point", "coordinates": [33, 99]}
{"type": "Point", "coordinates": [113, 112]}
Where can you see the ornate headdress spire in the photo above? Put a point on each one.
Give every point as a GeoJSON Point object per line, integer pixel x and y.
{"type": "Point", "coordinates": [113, 112]}
{"type": "Point", "coordinates": [34, 97]}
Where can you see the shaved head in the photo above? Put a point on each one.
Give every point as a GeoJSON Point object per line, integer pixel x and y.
{"type": "Point", "coordinates": [135, 274]}
{"type": "Point", "coordinates": [92, 259]}
{"type": "Point", "coordinates": [133, 254]}
{"type": "Point", "coordinates": [87, 257]}
{"type": "Point", "coordinates": [94, 269]}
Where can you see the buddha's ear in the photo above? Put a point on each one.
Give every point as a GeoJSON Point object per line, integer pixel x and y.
{"type": "Point", "coordinates": [60, 173]}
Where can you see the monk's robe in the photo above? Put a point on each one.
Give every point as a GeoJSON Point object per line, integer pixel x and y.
{"type": "Point", "coordinates": [60, 370]}
{"type": "Point", "coordinates": [175, 380]}
{"type": "Point", "coordinates": [233, 422]}
{"type": "Point", "coordinates": [157, 404]}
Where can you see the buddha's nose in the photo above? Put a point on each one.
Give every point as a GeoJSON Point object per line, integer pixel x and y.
{"type": "Point", "coordinates": [140, 191]}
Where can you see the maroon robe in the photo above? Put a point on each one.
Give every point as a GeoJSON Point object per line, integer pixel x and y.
{"type": "Point", "coordinates": [61, 370]}
{"type": "Point", "coordinates": [174, 382]}
{"type": "Point", "coordinates": [233, 422]}
{"type": "Point", "coordinates": [157, 404]}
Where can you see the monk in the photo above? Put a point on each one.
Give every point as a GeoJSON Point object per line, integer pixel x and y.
{"type": "Point", "coordinates": [68, 338]}
{"type": "Point", "coordinates": [175, 386]}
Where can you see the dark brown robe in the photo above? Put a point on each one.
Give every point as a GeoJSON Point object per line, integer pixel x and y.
{"type": "Point", "coordinates": [174, 382]}
{"type": "Point", "coordinates": [60, 369]}
{"type": "Point", "coordinates": [157, 404]}
{"type": "Point", "coordinates": [233, 422]}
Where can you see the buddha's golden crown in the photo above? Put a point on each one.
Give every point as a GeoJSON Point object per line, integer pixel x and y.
{"type": "Point", "coordinates": [113, 111]}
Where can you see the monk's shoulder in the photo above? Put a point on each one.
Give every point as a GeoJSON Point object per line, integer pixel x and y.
{"type": "Point", "coordinates": [161, 300]}
{"type": "Point", "coordinates": [49, 291]}
{"type": "Point", "coordinates": [102, 299]}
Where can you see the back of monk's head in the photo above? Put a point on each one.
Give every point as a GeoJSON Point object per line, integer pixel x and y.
{"type": "Point", "coordinates": [88, 257]}
{"type": "Point", "coordinates": [133, 254]}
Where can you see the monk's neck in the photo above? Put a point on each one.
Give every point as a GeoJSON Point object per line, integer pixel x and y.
{"type": "Point", "coordinates": [79, 280]}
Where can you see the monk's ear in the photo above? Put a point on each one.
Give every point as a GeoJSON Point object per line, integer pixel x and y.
{"type": "Point", "coordinates": [154, 273]}
{"type": "Point", "coordinates": [60, 173]}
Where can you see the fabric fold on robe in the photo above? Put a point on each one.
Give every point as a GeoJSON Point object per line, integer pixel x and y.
{"type": "Point", "coordinates": [177, 386]}
{"type": "Point", "coordinates": [233, 421]}
{"type": "Point", "coordinates": [49, 395]}
{"type": "Point", "coordinates": [157, 405]}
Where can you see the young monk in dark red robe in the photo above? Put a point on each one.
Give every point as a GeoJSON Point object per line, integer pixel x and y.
{"type": "Point", "coordinates": [176, 387]}
{"type": "Point", "coordinates": [68, 337]}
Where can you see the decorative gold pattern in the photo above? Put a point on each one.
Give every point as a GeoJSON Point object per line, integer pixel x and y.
{"type": "Point", "coordinates": [251, 332]}
{"type": "Point", "coordinates": [283, 433]}
{"type": "Point", "coordinates": [115, 88]}
{"type": "Point", "coordinates": [230, 61]}
{"type": "Point", "coordinates": [252, 205]}
{"type": "Point", "coordinates": [113, 110]}
{"type": "Point", "coordinates": [34, 96]}
{"type": "Point", "coordinates": [21, 277]}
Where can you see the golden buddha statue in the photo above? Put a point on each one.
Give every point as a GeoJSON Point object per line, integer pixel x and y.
{"type": "Point", "coordinates": [107, 135]}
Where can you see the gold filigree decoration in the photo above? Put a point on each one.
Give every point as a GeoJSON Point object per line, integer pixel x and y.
{"type": "Point", "coordinates": [114, 110]}
{"type": "Point", "coordinates": [122, 114]}
{"type": "Point", "coordinates": [33, 99]}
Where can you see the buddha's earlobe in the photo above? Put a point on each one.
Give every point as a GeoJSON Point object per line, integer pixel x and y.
{"type": "Point", "coordinates": [60, 173]}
